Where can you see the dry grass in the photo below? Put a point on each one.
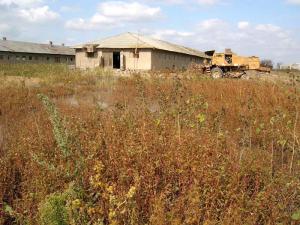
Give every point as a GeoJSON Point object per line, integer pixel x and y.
{"type": "Point", "coordinates": [149, 151]}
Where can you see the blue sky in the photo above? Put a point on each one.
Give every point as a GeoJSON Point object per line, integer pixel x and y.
{"type": "Point", "coordinates": [266, 28]}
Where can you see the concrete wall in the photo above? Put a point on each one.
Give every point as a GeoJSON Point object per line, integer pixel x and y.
{"type": "Point", "coordinates": [147, 59]}
{"type": "Point", "coordinates": [104, 58]}
{"type": "Point", "coordinates": [84, 62]}
{"type": "Point", "coordinates": [11, 57]}
{"type": "Point", "coordinates": [171, 60]}
{"type": "Point", "coordinates": [295, 66]}
{"type": "Point", "coordinates": [142, 61]}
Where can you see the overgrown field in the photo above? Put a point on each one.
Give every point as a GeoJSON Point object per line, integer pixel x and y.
{"type": "Point", "coordinates": [90, 148]}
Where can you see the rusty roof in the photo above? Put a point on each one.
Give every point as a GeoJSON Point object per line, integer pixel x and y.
{"type": "Point", "coordinates": [28, 47]}
{"type": "Point", "coordinates": [131, 40]}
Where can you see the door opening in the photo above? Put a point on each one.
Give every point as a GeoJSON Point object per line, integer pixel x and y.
{"type": "Point", "coordinates": [117, 60]}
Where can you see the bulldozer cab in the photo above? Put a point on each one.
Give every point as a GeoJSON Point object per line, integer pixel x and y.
{"type": "Point", "coordinates": [228, 56]}
{"type": "Point", "coordinates": [219, 59]}
{"type": "Point", "coordinates": [223, 59]}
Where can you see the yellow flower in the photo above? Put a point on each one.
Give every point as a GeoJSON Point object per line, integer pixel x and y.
{"type": "Point", "coordinates": [131, 192]}
{"type": "Point", "coordinates": [99, 167]}
{"type": "Point", "coordinates": [110, 189]}
{"type": "Point", "coordinates": [76, 203]}
{"type": "Point", "coordinates": [91, 211]}
{"type": "Point", "coordinates": [112, 215]}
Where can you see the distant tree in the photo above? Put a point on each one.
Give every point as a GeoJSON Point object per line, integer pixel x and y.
{"type": "Point", "coordinates": [267, 63]}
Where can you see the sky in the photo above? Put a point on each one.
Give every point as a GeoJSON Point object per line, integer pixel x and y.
{"type": "Point", "coordinates": [269, 29]}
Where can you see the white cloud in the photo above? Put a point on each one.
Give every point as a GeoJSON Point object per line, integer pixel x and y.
{"type": "Point", "coordinates": [174, 1]}
{"type": "Point", "coordinates": [3, 27]}
{"type": "Point", "coordinates": [243, 24]}
{"type": "Point", "coordinates": [267, 27]}
{"type": "Point", "coordinates": [39, 14]}
{"type": "Point", "coordinates": [128, 10]}
{"type": "Point", "coordinates": [20, 19]}
{"type": "Point", "coordinates": [263, 40]}
{"type": "Point", "coordinates": [73, 8]}
{"type": "Point", "coordinates": [161, 34]}
{"type": "Point", "coordinates": [20, 2]}
{"type": "Point", "coordinates": [116, 13]}
{"type": "Point", "coordinates": [212, 24]}
{"type": "Point", "coordinates": [78, 23]}
{"type": "Point", "coordinates": [190, 2]}
{"type": "Point", "coordinates": [208, 2]}
{"type": "Point", "coordinates": [295, 2]}
{"type": "Point", "coordinates": [28, 10]}
{"type": "Point", "coordinates": [101, 19]}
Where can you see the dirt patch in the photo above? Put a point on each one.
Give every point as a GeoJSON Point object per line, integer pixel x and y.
{"type": "Point", "coordinates": [15, 80]}
{"type": "Point", "coordinates": [98, 98]}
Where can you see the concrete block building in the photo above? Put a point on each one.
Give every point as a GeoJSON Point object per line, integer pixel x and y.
{"type": "Point", "coordinates": [25, 52]}
{"type": "Point", "coordinates": [295, 66]}
{"type": "Point", "coordinates": [131, 51]}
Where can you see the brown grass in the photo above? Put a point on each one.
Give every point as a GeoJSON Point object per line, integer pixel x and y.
{"type": "Point", "coordinates": [151, 151]}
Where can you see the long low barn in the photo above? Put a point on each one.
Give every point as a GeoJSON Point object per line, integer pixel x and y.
{"type": "Point", "coordinates": [136, 52]}
{"type": "Point", "coordinates": [26, 52]}
{"type": "Point", "coordinates": [295, 66]}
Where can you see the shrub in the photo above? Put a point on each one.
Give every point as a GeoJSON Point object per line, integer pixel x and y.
{"type": "Point", "coordinates": [53, 210]}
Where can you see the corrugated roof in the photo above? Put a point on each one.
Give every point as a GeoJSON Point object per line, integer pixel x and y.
{"type": "Point", "coordinates": [27, 47]}
{"type": "Point", "coordinates": [131, 40]}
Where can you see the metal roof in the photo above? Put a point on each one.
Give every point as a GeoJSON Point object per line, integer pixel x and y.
{"type": "Point", "coordinates": [27, 47]}
{"type": "Point", "coordinates": [131, 40]}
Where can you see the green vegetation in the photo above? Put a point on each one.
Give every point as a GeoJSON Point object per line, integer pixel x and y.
{"type": "Point", "coordinates": [33, 70]}
{"type": "Point", "coordinates": [88, 148]}
{"type": "Point", "coordinates": [53, 211]}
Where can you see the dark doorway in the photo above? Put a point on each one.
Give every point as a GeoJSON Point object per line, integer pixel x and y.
{"type": "Point", "coordinates": [116, 60]}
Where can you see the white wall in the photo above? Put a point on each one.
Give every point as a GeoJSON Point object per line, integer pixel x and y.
{"type": "Point", "coordinates": [148, 59]}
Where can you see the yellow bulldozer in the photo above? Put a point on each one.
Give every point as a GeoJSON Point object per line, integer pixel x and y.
{"type": "Point", "coordinates": [229, 64]}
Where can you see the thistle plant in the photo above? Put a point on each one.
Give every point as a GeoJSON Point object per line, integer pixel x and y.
{"type": "Point", "coordinates": [74, 160]}
{"type": "Point", "coordinates": [59, 131]}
